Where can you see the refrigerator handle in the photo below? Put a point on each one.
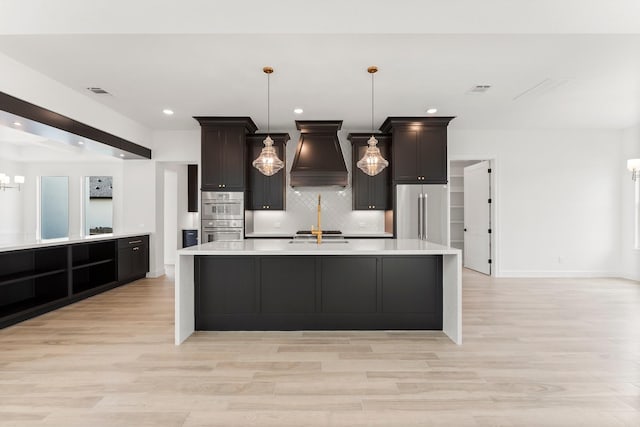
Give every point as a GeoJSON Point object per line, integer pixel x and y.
{"type": "Point", "coordinates": [420, 216]}
{"type": "Point", "coordinates": [425, 210]}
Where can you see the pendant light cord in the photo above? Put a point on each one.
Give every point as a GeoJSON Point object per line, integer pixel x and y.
{"type": "Point", "coordinates": [268, 104]}
{"type": "Point", "coordinates": [372, 103]}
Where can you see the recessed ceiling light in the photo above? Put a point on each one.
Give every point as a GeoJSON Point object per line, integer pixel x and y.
{"type": "Point", "coordinates": [298, 110]}
{"type": "Point", "coordinates": [168, 112]}
{"type": "Point", "coordinates": [80, 142]}
{"type": "Point", "coordinates": [17, 124]}
{"type": "Point", "coordinates": [121, 155]}
{"type": "Point", "coordinates": [432, 110]}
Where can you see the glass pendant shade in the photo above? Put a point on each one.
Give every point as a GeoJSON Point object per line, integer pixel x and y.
{"type": "Point", "coordinates": [268, 162]}
{"type": "Point", "coordinates": [372, 162]}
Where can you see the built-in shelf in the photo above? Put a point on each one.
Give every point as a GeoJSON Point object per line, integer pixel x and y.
{"type": "Point", "coordinates": [457, 241]}
{"type": "Point", "coordinates": [456, 206]}
{"type": "Point", "coordinates": [457, 189]}
{"type": "Point", "coordinates": [34, 281]}
{"type": "Point", "coordinates": [456, 175]}
{"type": "Point", "coordinates": [93, 264]}
{"type": "Point", "coordinates": [457, 222]}
{"type": "Point", "coordinates": [19, 277]}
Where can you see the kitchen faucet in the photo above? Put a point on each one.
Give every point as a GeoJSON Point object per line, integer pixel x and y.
{"type": "Point", "coordinates": [318, 231]}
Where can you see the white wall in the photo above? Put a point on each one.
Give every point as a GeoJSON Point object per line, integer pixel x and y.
{"type": "Point", "coordinates": [629, 257]}
{"type": "Point", "coordinates": [558, 200]}
{"type": "Point", "coordinates": [170, 215]}
{"type": "Point", "coordinates": [12, 204]}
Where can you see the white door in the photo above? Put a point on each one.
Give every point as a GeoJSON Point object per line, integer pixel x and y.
{"type": "Point", "coordinates": [477, 217]}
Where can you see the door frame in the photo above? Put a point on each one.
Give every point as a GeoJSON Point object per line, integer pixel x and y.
{"type": "Point", "coordinates": [495, 203]}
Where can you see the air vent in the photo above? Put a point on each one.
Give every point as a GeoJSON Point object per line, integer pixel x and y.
{"type": "Point", "coordinates": [541, 88]}
{"type": "Point", "coordinates": [98, 90]}
{"type": "Point", "coordinates": [479, 88]}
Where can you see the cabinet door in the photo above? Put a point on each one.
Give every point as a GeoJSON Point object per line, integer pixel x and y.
{"type": "Point", "coordinates": [379, 193]}
{"type": "Point", "coordinates": [257, 181]}
{"type": "Point", "coordinates": [405, 159]}
{"type": "Point", "coordinates": [139, 260]}
{"type": "Point", "coordinates": [266, 192]}
{"type": "Point", "coordinates": [211, 159]}
{"type": "Point", "coordinates": [361, 182]}
{"type": "Point", "coordinates": [432, 152]}
{"type": "Point", "coordinates": [412, 284]}
{"type": "Point", "coordinates": [233, 159]}
{"type": "Point", "coordinates": [125, 264]}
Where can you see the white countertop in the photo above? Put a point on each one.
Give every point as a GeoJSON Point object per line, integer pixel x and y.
{"type": "Point", "coordinates": [31, 244]}
{"type": "Point", "coordinates": [352, 247]}
{"type": "Point", "coordinates": [288, 235]}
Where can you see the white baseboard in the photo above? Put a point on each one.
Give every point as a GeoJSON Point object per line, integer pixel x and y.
{"type": "Point", "coordinates": [629, 277]}
{"type": "Point", "coordinates": [154, 274]}
{"type": "Point", "coordinates": [556, 274]}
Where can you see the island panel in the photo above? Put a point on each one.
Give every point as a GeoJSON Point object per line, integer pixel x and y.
{"type": "Point", "coordinates": [327, 292]}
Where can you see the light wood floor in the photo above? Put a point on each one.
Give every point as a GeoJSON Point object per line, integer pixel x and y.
{"type": "Point", "coordinates": [535, 353]}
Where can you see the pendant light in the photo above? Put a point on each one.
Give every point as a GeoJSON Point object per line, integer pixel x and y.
{"type": "Point", "coordinates": [268, 162]}
{"type": "Point", "coordinates": [372, 162]}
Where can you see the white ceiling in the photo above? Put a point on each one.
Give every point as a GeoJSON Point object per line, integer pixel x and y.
{"type": "Point", "coordinates": [580, 80]}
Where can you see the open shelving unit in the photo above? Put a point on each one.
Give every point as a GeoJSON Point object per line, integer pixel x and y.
{"type": "Point", "coordinates": [93, 265]}
{"type": "Point", "coordinates": [32, 278]}
{"type": "Point", "coordinates": [34, 281]}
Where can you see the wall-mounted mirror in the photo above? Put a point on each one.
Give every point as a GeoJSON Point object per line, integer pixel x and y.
{"type": "Point", "coordinates": [98, 205]}
{"type": "Point", "coordinates": [54, 207]}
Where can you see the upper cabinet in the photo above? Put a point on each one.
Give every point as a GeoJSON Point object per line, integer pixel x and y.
{"type": "Point", "coordinates": [419, 149]}
{"type": "Point", "coordinates": [266, 192]}
{"type": "Point", "coordinates": [370, 192]}
{"type": "Point", "coordinates": [224, 153]}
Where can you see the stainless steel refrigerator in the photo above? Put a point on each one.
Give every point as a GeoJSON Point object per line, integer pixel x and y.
{"type": "Point", "coordinates": [421, 212]}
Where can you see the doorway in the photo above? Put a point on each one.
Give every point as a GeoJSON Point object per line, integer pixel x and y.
{"type": "Point", "coordinates": [472, 212]}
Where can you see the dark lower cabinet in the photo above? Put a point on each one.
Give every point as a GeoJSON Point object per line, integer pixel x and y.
{"type": "Point", "coordinates": [318, 292]}
{"type": "Point", "coordinates": [35, 281]}
{"type": "Point", "coordinates": [349, 284]}
{"type": "Point", "coordinates": [133, 257]}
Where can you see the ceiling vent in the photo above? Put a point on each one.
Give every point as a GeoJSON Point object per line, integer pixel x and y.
{"type": "Point", "coordinates": [98, 91]}
{"type": "Point", "coordinates": [479, 88]}
{"type": "Point", "coordinates": [545, 86]}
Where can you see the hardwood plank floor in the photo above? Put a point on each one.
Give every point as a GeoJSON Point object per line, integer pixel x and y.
{"type": "Point", "coordinates": [552, 352]}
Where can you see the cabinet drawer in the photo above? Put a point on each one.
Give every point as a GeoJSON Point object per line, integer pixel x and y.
{"type": "Point", "coordinates": [133, 241]}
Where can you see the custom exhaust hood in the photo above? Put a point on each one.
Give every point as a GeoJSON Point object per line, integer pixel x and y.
{"type": "Point", "coordinates": [319, 161]}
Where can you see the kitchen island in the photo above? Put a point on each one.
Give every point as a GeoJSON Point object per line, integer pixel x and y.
{"type": "Point", "coordinates": [357, 284]}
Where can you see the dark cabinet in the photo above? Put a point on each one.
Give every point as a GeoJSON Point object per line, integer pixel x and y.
{"type": "Point", "coordinates": [192, 188]}
{"type": "Point", "coordinates": [370, 192]}
{"type": "Point", "coordinates": [307, 292]}
{"type": "Point", "coordinates": [419, 149]}
{"type": "Point", "coordinates": [224, 154]}
{"type": "Point", "coordinates": [266, 192]}
{"type": "Point", "coordinates": [133, 257]}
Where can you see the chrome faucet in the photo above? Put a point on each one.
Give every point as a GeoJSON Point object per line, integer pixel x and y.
{"type": "Point", "coordinates": [318, 230]}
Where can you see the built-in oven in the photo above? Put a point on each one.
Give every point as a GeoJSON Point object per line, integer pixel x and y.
{"type": "Point", "coordinates": [222, 230]}
{"type": "Point", "coordinates": [222, 205]}
{"type": "Point", "coordinates": [222, 216]}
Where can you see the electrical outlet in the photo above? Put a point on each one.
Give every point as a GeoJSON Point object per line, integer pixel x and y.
{"type": "Point", "coordinates": [362, 225]}
{"type": "Point", "coordinates": [276, 225]}
{"type": "Point", "coordinates": [560, 260]}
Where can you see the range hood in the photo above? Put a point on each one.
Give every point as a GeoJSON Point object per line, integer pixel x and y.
{"type": "Point", "coordinates": [319, 161]}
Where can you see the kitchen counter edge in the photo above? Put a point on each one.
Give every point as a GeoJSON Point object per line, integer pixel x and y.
{"type": "Point", "coordinates": [68, 241]}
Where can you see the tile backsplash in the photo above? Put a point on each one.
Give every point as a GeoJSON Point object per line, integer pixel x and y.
{"type": "Point", "coordinates": [301, 204]}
